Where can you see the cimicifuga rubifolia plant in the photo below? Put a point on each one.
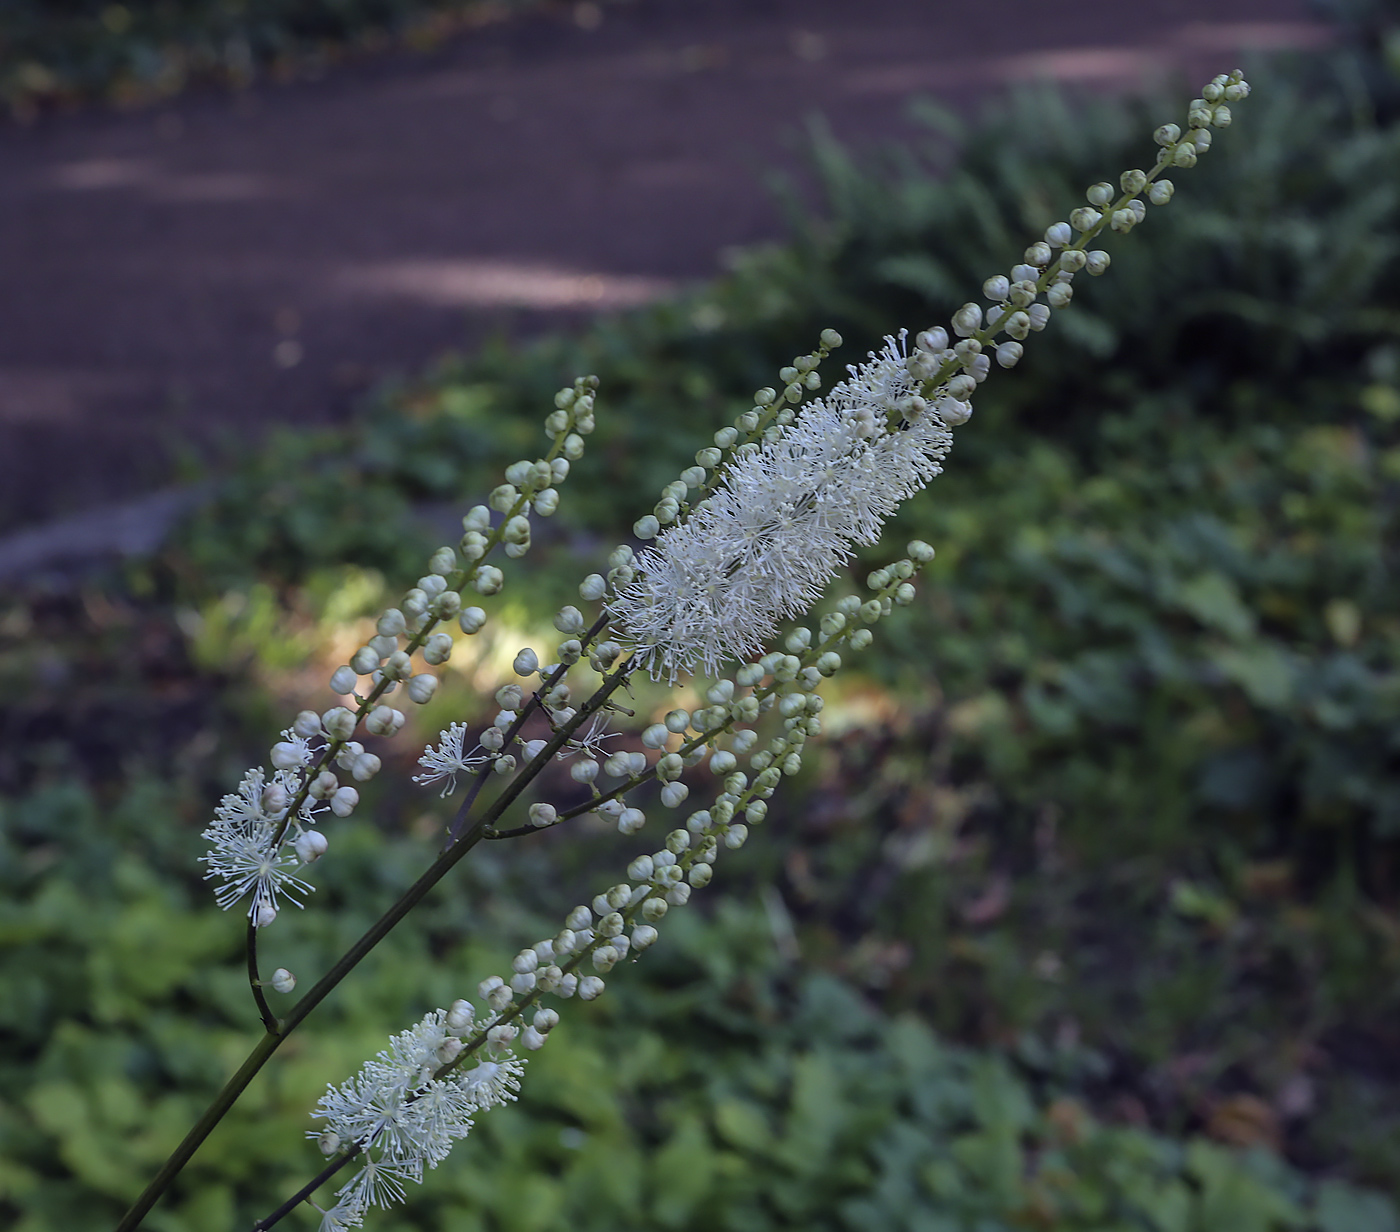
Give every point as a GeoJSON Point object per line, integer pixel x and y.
{"type": "Point", "coordinates": [742, 543]}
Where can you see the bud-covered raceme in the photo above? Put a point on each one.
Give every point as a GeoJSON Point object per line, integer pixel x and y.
{"type": "Point", "coordinates": [743, 541]}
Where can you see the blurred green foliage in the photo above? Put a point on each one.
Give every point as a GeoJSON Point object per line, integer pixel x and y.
{"type": "Point", "coordinates": [716, 1087]}
{"type": "Point", "coordinates": [141, 50]}
{"type": "Point", "coordinates": [1144, 792]}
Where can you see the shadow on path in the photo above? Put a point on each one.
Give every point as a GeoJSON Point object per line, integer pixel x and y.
{"type": "Point", "coordinates": [182, 278]}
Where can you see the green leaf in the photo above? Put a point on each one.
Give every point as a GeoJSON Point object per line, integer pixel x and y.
{"type": "Point", "coordinates": [1345, 1208]}
{"type": "Point", "coordinates": [682, 1173]}
{"type": "Point", "coordinates": [742, 1124]}
{"type": "Point", "coordinates": [1214, 600]}
{"type": "Point", "coordinates": [1264, 671]}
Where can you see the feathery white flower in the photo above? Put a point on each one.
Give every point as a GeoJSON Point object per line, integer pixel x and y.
{"type": "Point", "coordinates": [490, 1083]}
{"type": "Point", "coordinates": [378, 1183]}
{"type": "Point", "coordinates": [243, 855]}
{"type": "Point", "coordinates": [591, 742]}
{"type": "Point", "coordinates": [447, 760]}
{"type": "Point", "coordinates": [763, 547]}
{"type": "Point", "coordinates": [402, 1117]}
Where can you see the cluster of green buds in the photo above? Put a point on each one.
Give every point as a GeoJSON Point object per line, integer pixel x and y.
{"type": "Point", "coordinates": [1022, 302]}
{"type": "Point", "coordinates": [276, 812]}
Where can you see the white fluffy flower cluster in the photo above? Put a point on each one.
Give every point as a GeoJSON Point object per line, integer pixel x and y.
{"type": "Point", "coordinates": [762, 547]}
{"type": "Point", "coordinates": [245, 855]}
{"type": "Point", "coordinates": [267, 828]}
{"type": "Point", "coordinates": [401, 1116]}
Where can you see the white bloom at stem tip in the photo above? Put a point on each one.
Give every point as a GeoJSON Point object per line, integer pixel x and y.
{"type": "Point", "coordinates": [244, 856]}
{"type": "Point", "coordinates": [401, 1116]}
{"type": "Point", "coordinates": [789, 513]}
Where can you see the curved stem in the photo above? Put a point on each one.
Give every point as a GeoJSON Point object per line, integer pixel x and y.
{"type": "Point", "coordinates": [269, 1019]}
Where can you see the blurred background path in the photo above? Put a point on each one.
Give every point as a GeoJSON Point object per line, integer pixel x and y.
{"type": "Point", "coordinates": [182, 277]}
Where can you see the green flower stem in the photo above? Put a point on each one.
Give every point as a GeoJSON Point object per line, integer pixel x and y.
{"type": "Point", "coordinates": [250, 946]}
{"type": "Point", "coordinates": [305, 1192]}
{"type": "Point", "coordinates": [201, 1129]}
{"type": "Point", "coordinates": [808, 658]}
{"type": "Point", "coordinates": [513, 732]}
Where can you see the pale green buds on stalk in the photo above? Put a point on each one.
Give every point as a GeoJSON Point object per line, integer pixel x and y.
{"type": "Point", "coordinates": [1132, 182]}
{"type": "Point", "coordinates": [384, 721]}
{"type": "Point", "coordinates": [1085, 218]}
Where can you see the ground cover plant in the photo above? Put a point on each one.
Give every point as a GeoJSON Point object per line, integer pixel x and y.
{"type": "Point", "coordinates": [1078, 841]}
{"type": "Point", "coordinates": [56, 52]}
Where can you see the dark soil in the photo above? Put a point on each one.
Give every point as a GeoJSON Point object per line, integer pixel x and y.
{"type": "Point", "coordinates": [177, 280]}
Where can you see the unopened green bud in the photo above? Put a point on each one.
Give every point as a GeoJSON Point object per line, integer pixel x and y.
{"type": "Point", "coordinates": [967, 320]}
{"type": "Point", "coordinates": [1085, 218]}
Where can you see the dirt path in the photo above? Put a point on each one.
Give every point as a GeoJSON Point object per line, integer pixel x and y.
{"type": "Point", "coordinates": [189, 275]}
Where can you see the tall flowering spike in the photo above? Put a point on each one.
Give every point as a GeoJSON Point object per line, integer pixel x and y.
{"type": "Point", "coordinates": [717, 584]}
{"type": "Point", "coordinates": [763, 547]}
